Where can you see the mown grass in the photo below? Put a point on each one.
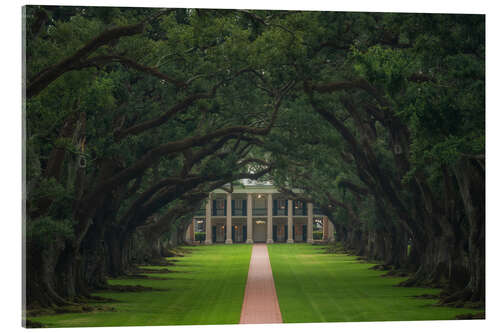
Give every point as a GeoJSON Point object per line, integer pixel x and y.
{"type": "Point", "coordinates": [316, 287]}
{"type": "Point", "coordinates": [206, 287]}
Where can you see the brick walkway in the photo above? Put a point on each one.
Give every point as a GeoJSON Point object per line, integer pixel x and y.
{"type": "Point", "coordinates": [260, 305]}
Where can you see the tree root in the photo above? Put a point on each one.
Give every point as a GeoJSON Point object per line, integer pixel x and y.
{"type": "Point", "coordinates": [152, 271]}
{"type": "Point", "coordinates": [427, 296]}
{"type": "Point", "coordinates": [159, 262]}
{"type": "Point", "coordinates": [381, 267]}
{"type": "Point", "coordinates": [336, 247]}
{"type": "Point", "coordinates": [139, 277]}
{"type": "Point", "coordinates": [413, 281]}
{"type": "Point", "coordinates": [129, 288]}
{"type": "Point", "coordinates": [395, 273]}
{"type": "Point", "coordinates": [459, 296]}
{"type": "Point", "coordinates": [96, 299]}
{"type": "Point", "coordinates": [178, 252]}
{"type": "Point", "coordinates": [82, 308]}
{"type": "Point", "coordinates": [462, 298]}
{"type": "Point", "coordinates": [479, 315]}
{"type": "Point", "coordinates": [33, 324]}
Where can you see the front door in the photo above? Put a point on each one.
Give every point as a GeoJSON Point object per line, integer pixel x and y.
{"type": "Point", "coordinates": [281, 237]}
{"type": "Point", "coordinates": [259, 232]}
{"type": "Point", "coordinates": [238, 233]}
{"type": "Point", "coordinates": [220, 233]}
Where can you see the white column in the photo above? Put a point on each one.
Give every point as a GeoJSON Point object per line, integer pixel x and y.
{"type": "Point", "coordinates": [325, 229]}
{"type": "Point", "coordinates": [249, 219]}
{"type": "Point", "coordinates": [193, 236]}
{"type": "Point", "coordinates": [290, 221]}
{"type": "Point", "coordinates": [208, 221]}
{"type": "Point", "coordinates": [188, 232]}
{"type": "Point", "coordinates": [269, 218]}
{"type": "Point", "coordinates": [309, 222]}
{"type": "Point", "coordinates": [229, 217]}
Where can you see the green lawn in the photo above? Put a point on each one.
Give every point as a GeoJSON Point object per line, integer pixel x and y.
{"type": "Point", "coordinates": [207, 288]}
{"type": "Point", "coordinates": [317, 287]}
{"type": "Point", "coordinates": [208, 285]}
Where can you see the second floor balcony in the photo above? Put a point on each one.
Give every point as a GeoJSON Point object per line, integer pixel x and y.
{"type": "Point", "coordinates": [259, 212]}
{"type": "Point", "coordinates": [239, 212]}
{"type": "Point", "coordinates": [219, 212]}
{"type": "Point", "coordinates": [239, 208]}
{"type": "Point", "coordinates": [280, 212]}
{"type": "Point", "coordinates": [234, 212]}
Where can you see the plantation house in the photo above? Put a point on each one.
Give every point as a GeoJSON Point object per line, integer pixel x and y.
{"type": "Point", "coordinates": [257, 212]}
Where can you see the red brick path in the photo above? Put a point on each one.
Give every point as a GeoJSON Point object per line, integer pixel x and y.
{"type": "Point", "coordinates": [260, 305]}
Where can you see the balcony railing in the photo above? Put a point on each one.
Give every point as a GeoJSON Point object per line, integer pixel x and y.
{"type": "Point", "coordinates": [239, 212]}
{"type": "Point", "coordinates": [218, 212]}
{"type": "Point", "coordinates": [259, 211]}
{"type": "Point", "coordinates": [299, 212]}
{"type": "Point", "coordinates": [281, 212]}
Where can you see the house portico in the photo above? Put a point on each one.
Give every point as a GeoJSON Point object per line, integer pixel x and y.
{"type": "Point", "coordinates": [257, 213]}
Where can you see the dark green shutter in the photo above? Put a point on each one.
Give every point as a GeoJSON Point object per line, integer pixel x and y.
{"type": "Point", "coordinates": [304, 208]}
{"type": "Point", "coordinates": [214, 234]}
{"type": "Point", "coordinates": [275, 207]}
{"type": "Point", "coordinates": [244, 233]}
{"type": "Point", "coordinates": [244, 207]}
{"type": "Point", "coordinates": [225, 207]}
{"type": "Point", "coordinates": [304, 232]}
{"type": "Point", "coordinates": [214, 208]}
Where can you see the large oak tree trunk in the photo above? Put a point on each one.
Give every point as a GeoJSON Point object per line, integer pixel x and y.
{"type": "Point", "coordinates": [471, 181]}
{"type": "Point", "coordinates": [41, 284]}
